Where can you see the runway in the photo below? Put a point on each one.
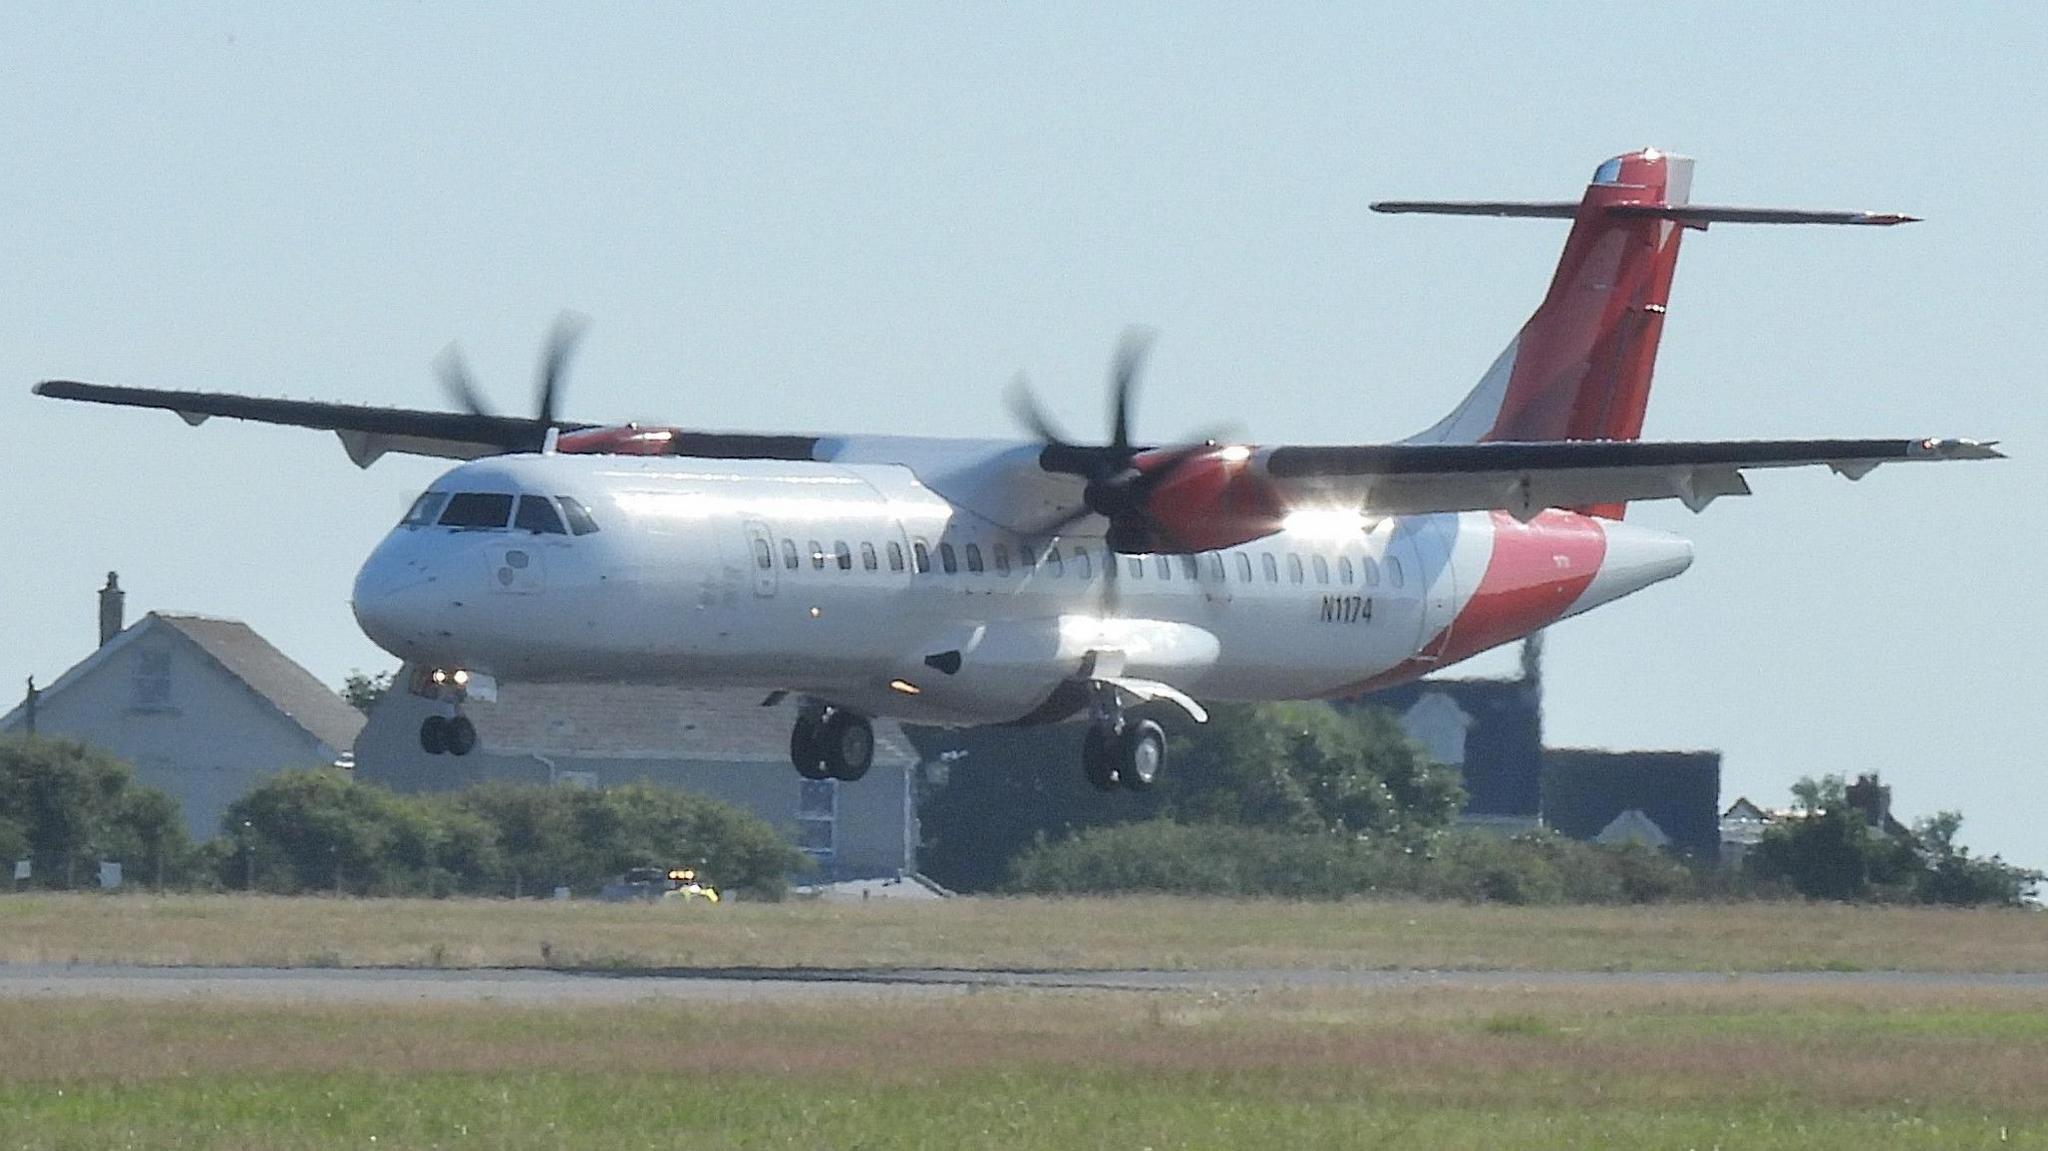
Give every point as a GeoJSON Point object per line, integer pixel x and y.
{"type": "Point", "coordinates": [556, 987]}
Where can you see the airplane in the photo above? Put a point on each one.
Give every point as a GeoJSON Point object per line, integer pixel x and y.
{"type": "Point", "coordinates": [967, 582]}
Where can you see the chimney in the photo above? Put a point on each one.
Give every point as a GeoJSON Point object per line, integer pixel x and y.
{"type": "Point", "coordinates": [112, 608]}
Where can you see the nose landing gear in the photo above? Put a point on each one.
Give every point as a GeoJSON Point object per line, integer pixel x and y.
{"type": "Point", "coordinates": [455, 735]}
{"type": "Point", "coordinates": [832, 743]}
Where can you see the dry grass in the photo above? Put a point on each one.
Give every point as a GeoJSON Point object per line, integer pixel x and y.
{"type": "Point", "coordinates": [1013, 933]}
{"type": "Point", "coordinates": [1744, 1066]}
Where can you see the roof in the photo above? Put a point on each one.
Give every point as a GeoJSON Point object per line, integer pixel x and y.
{"type": "Point", "coordinates": [294, 692]}
{"type": "Point", "coordinates": [641, 721]}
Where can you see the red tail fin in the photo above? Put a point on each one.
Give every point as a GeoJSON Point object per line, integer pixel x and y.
{"type": "Point", "coordinates": [1580, 368]}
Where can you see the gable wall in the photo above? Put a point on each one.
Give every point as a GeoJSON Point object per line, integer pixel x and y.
{"type": "Point", "coordinates": [214, 741]}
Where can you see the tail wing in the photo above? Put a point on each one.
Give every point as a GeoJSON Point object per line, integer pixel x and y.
{"type": "Point", "coordinates": [1580, 368]}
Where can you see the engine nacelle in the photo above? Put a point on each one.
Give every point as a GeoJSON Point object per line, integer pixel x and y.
{"type": "Point", "coordinates": [1215, 499]}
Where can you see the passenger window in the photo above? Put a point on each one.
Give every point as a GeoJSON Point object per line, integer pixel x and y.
{"type": "Point", "coordinates": [477, 510]}
{"type": "Point", "coordinates": [789, 557]}
{"type": "Point", "coordinates": [1344, 572]}
{"type": "Point", "coordinates": [1271, 566]}
{"type": "Point", "coordinates": [843, 554]}
{"type": "Point", "coordinates": [1322, 567]}
{"type": "Point", "coordinates": [868, 562]}
{"type": "Point", "coordinates": [1136, 567]}
{"type": "Point", "coordinates": [1083, 566]}
{"type": "Point", "coordinates": [538, 516]}
{"type": "Point", "coordinates": [1216, 567]}
{"type": "Point", "coordinates": [895, 556]}
{"type": "Point", "coordinates": [974, 558]}
{"type": "Point", "coordinates": [764, 556]}
{"type": "Point", "coordinates": [1165, 566]}
{"type": "Point", "coordinates": [947, 559]}
{"type": "Point", "coordinates": [1293, 568]}
{"type": "Point", "coordinates": [1053, 560]}
{"type": "Point", "coordinates": [424, 509]}
{"type": "Point", "coordinates": [817, 556]}
{"type": "Point", "coordinates": [1244, 567]}
{"type": "Point", "coordinates": [1372, 572]}
{"type": "Point", "coordinates": [1002, 559]}
{"type": "Point", "coordinates": [1395, 575]}
{"type": "Point", "coordinates": [923, 555]}
{"type": "Point", "coordinates": [580, 522]}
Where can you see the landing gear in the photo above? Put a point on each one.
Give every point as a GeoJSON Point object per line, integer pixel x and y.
{"type": "Point", "coordinates": [455, 736]}
{"type": "Point", "coordinates": [832, 743]}
{"type": "Point", "coordinates": [1117, 749]}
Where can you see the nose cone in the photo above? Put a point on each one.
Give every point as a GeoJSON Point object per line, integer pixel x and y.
{"type": "Point", "coordinates": [1635, 558]}
{"type": "Point", "coordinates": [396, 602]}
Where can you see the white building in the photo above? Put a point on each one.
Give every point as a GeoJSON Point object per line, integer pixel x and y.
{"type": "Point", "coordinates": [204, 709]}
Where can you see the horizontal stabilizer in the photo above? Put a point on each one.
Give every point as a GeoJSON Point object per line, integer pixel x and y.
{"type": "Point", "coordinates": [1691, 215]}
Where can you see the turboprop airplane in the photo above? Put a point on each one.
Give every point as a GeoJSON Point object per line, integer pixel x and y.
{"type": "Point", "coordinates": [1005, 582]}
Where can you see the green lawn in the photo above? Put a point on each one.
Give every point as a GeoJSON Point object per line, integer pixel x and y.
{"type": "Point", "coordinates": [1010, 933]}
{"type": "Point", "coordinates": [1716, 1066]}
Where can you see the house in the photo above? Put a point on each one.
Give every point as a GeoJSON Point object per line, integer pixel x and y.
{"type": "Point", "coordinates": [204, 709]}
{"type": "Point", "coordinates": [720, 744]}
{"type": "Point", "coordinates": [1676, 793]}
{"type": "Point", "coordinates": [1491, 730]}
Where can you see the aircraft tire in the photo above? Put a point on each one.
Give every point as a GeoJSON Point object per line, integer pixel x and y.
{"type": "Point", "coordinates": [1142, 755]}
{"type": "Point", "coordinates": [848, 741]}
{"type": "Point", "coordinates": [434, 734]}
{"type": "Point", "coordinates": [460, 738]}
{"type": "Point", "coordinates": [1098, 766]}
{"type": "Point", "coordinates": [804, 749]}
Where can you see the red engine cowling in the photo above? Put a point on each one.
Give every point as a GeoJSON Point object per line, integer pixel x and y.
{"type": "Point", "coordinates": [1210, 500]}
{"type": "Point", "coordinates": [620, 440]}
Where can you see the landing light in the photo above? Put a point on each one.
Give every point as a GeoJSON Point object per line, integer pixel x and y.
{"type": "Point", "coordinates": [905, 686]}
{"type": "Point", "coordinates": [461, 679]}
{"type": "Point", "coordinates": [1235, 454]}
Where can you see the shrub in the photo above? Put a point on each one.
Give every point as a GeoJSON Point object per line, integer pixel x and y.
{"type": "Point", "coordinates": [65, 807]}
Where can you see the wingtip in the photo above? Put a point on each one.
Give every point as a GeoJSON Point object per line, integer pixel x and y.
{"type": "Point", "coordinates": [1961, 449]}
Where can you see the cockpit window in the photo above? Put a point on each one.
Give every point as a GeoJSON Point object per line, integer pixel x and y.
{"type": "Point", "coordinates": [537, 515]}
{"type": "Point", "coordinates": [424, 509]}
{"type": "Point", "coordinates": [477, 510]}
{"type": "Point", "coordinates": [579, 516]}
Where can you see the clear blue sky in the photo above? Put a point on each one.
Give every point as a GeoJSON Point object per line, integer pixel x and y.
{"type": "Point", "coordinates": [868, 217]}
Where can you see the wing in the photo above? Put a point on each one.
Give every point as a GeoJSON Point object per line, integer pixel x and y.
{"type": "Point", "coordinates": [366, 432]}
{"type": "Point", "coordinates": [1525, 478]}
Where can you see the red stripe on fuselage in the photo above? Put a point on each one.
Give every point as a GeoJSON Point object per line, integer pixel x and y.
{"type": "Point", "coordinates": [1537, 571]}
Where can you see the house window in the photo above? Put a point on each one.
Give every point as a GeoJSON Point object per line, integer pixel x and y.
{"type": "Point", "coordinates": [152, 680]}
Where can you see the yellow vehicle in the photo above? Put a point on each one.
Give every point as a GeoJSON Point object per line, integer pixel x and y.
{"type": "Point", "coordinates": [658, 883]}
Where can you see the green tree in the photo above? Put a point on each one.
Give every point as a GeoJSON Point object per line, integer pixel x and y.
{"type": "Point", "coordinates": [66, 807]}
{"type": "Point", "coordinates": [1950, 874]}
{"type": "Point", "coordinates": [363, 690]}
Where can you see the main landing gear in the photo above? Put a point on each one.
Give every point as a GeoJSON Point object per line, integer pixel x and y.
{"type": "Point", "coordinates": [454, 735]}
{"type": "Point", "coordinates": [1119, 750]}
{"type": "Point", "coordinates": [832, 743]}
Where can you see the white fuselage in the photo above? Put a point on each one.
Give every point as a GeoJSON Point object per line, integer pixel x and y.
{"type": "Point", "coordinates": [858, 584]}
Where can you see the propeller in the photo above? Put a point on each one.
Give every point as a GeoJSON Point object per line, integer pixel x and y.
{"type": "Point", "coordinates": [1117, 488]}
{"type": "Point", "coordinates": [453, 372]}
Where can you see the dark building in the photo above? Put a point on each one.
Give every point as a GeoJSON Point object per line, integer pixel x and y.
{"type": "Point", "coordinates": [1604, 795]}
{"type": "Point", "coordinates": [1491, 730]}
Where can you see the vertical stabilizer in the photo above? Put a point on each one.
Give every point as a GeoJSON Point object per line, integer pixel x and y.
{"type": "Point", "coordinates": [1580, 368]}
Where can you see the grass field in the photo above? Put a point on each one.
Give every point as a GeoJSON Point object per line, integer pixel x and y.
{"type": "Point", "coordinates": [1013, 933]}
{"type": "Point", "coordinates": [1718, 1066]}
